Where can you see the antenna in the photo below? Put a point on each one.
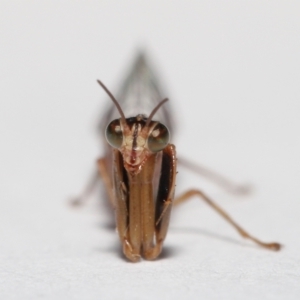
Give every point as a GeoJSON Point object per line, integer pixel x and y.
{"type": "Point", "coordinates": [114, 101]}
{"type": "Point", "coordinates": [155, 110]}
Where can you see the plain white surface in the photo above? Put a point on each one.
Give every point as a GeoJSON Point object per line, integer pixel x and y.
{"type": "Point", "coordinates": [232, 73]}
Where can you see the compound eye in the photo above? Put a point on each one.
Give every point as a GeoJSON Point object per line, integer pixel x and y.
{"type": "Point", "coordinates": [158, 138]}
{"type": "Point", "coordinates": [114, 134]}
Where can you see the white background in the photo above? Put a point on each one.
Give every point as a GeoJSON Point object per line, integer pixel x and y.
{"type": "Point", "coordinates": [232, 74]}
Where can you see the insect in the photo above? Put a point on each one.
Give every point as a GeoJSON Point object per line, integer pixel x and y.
{"type": "Point", "coordinates": [139, 168]}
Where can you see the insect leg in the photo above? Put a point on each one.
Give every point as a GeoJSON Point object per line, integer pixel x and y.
{"type": "Point", "coordinates": [88, 191]}
{"type": "Point", "coordinates": [106, 177]}
{"type": "Point", "coordinates": [121, 196]}
{"type": "Point", "coordinates": [187, 195]}
{"type": "Point", "coordinates": [165, 196]}
{"type": "Point", "coordinates": [129, 252]}
{"type": "Point", "coordinates": [215, 177]}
